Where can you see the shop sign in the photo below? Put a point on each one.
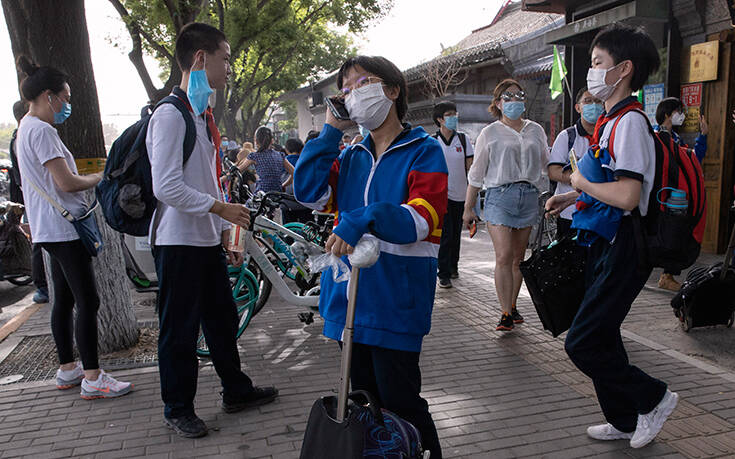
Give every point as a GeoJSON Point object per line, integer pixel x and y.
{"type": "Point", "coordinates": [703, 59]}
{"type": "Point", "coordinates": [90, 165]}
{"type": "Point", "coordinates": [691, 122]}
{"type": "Point", "coordinates": [691, 94]}
{"type": "Point", "coordinates": [652, 95]}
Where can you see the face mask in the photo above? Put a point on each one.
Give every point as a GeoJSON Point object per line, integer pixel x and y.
{"type": "Point", "coordinates": [198, 90]}
{"type": "Point", "coordinates": [590, 112]}
{"type": "Point", "coordinates": [596, 83]}
{"type": "Point", "coordinates": [451, 122]}
{"type": "Point", "coordinates": [513, 110]}
{"type": "Point", "coordinates": [62, 115]}
{"type": "Point", "coordinates": [364, 132]}
{"type": "Point", "coordinates": [677, 119]}
{"type": "Point", "coordinates": [368, 106]}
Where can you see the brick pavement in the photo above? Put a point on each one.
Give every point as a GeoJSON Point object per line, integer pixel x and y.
{"type": "Point", "coordinates": [492, 395]}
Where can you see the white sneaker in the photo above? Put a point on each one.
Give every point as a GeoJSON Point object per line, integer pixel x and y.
{"type": "Point", "coordinates": [104, 387]}
{"type": "Point", "coordinates": [607, 432]}
{"type": "Point", "coordinates": [650, 424]}
{"type": "Point", "coordinates": [66, 379]}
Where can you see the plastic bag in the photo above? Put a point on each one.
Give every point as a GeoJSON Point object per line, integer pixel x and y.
{"type": "Point", "coordinates": [366, 254]}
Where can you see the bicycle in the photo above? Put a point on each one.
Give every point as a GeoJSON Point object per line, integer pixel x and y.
{"type": "Point", "coordinates": [15, 246]}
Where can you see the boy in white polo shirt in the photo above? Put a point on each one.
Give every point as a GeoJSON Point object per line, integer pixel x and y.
{"type": "Point", "coordinates": [458, 154]}
{"type": "Point", "coordinates": [187, 231]}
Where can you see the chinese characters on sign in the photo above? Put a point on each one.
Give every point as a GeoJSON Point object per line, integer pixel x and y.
{"type": "Point", "coordinates": [703, 60]}
{"type": "Point", "coordinates": [652, 95]}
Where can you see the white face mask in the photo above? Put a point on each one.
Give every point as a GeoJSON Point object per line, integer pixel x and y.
{"type": "Point", "coordinates": [368, 106]}
{"type": "Point", "coordinates": [677, 119]}
{"type": "Point", "coordinates": [596, 83]}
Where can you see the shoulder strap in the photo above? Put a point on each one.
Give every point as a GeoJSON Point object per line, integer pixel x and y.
{"type": "Point", "coordinates": [463, 141]}
{"type": "Point", "coordinates": [611, 140]}
{"type": "Point", "coordinates": [190, 135]}
{"type": "Point", "coordinates": [64, 213]}
{"type": "Point", "coordinates": [571, 137]}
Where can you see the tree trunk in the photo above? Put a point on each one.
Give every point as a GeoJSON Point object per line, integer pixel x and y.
{"type": "Point", "coordinates": [54, 33]}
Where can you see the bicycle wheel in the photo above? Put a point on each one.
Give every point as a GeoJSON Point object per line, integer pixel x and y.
{"type": "Point", "coordinates": [245, 293]}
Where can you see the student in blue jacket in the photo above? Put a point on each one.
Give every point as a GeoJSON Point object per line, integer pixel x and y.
{"type": "Point", "coordinates": [392, 185]}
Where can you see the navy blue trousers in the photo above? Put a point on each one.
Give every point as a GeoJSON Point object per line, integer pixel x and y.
{"type": "Point", "coordinates": [194, 289]}
{"type": "Point", "coordinates": [594, 343]}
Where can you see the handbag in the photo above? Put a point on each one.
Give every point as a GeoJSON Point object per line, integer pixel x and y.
{"type": "Point", "coordinates": [555, 277]}
{"type": "Point", "coordinates": [85, 225]}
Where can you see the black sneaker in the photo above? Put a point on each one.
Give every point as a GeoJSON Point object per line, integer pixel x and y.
{"type": "Point", "coordinates": [517, 317]}
{"type": "Point", "coordinates": [506, 323]}
{"type": "Point", "coordinates": [445, 283]}
{"type": "Point", "coordinates": [258, 396]}
{"type": "Point", "coordinates": [189, 426]}
{"type": "Point", "coordinates": [455, 275]}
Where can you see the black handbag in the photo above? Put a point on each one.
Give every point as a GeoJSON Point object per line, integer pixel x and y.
{"type": "Point", "coordinates": [85, 225]}
{"type": "Point", "coordinates": [555, 277]}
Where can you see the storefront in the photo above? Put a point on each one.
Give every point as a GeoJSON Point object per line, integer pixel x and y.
{"type": "Point", "coordinates": [695, 41]}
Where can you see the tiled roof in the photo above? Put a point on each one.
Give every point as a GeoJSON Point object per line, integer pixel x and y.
{"type": "Point", "coordinates": [485, 43]}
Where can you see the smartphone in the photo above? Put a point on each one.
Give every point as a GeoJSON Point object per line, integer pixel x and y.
{"type": "Point", "coordinates": [473, 230]}
{"type": "Point", "coordinates": [337, 107]}
{"type": "Point", "coordinates": [573, 160]}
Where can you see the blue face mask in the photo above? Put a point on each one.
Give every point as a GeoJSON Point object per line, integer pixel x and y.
{"type": "Point", "coordinates": [590, 112]}
{"type": "Point", "coordinates": [61, 116]}
{"type": "Point", "coordinates": [513, 110]}
{"type": "Point", "coordinates": [451, 122]}
{"type": "Point", "coordinates": [198, 91]}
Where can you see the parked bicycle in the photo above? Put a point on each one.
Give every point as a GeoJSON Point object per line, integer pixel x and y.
{"type": "Point", "coordinates": [15, 245]}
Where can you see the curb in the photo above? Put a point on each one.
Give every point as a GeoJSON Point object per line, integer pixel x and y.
{"type": "Point", "coordinates": [20, 318]}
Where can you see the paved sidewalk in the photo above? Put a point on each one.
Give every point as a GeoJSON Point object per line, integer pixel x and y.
{"type": "Point", "coordinates": [492, 394]}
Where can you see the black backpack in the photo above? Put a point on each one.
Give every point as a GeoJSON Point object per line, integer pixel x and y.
{"type": "Point", "coordinates": [126, 190]}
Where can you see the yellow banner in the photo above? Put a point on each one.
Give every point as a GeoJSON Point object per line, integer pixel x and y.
{"type": "Point", "coordinates": [90, 165]}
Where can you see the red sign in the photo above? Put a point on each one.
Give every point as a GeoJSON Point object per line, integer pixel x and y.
{"type": "Point", "coordinates": [691, 94]}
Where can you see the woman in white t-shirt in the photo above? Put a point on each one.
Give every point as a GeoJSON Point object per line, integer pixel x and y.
{"type": "Point", "coordinates": [510, 155]}
{"type": "Point", "coordinates": [46, 164]}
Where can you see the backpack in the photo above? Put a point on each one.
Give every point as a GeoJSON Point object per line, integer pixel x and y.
{"type": "Point", "coordinates": [125, 192]}
{"type": "Point", "coordinates": [668, 240]}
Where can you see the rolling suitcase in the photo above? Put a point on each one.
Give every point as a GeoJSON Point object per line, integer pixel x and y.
{"type": "Point", "coordinates": [353, 425]}
{"type": "Point", "coordinates": [707, 296]}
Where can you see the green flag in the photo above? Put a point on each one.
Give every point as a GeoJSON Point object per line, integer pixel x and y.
{"type": "Point", "coordinates": [558, 73]}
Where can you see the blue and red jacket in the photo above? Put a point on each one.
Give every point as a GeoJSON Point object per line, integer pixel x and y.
{"type": "Point", "coordinates": [400, 198]}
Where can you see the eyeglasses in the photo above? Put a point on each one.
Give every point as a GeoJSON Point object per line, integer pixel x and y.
{"type": "Point", "coordinates": [588, 100]}
{"type": "Point", "coordinates": [361, 82]}
{"type": "Point", "coordinates": [508, 96]}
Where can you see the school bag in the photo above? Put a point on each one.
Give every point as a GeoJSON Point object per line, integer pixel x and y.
{"type": "Point", "coordinates": [125, 192]}
{"type": "Point", "coordinates": [668, 239]}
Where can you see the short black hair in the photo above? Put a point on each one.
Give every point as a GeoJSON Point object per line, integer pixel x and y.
{"type": "Point", "coordinates": [386, 71]}
{"type": "Point", "coordinates": [580, 94]}
{"type": "Point", "coordinates": [294, 146]}
{"type": "Point", "coordinates": [20, 108]}
{"type": "Point", "coordinates": [193, 37]}
{"type": "Point", "coordinates": [441, 108]}
{"type": "Point", "coordinates": [624, 42]}
{"type": "Point", "coordinates": [666, 107]}
{"type": "Point", "coordinates": [311, 135]}
{"type": "Point", "coordinates": [39, 79]}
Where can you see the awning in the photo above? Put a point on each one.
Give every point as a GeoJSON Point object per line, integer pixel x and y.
{"type": "Point", "coordinates": [577, 32]}
{"type": "Point", "coordinates": [539, 69]}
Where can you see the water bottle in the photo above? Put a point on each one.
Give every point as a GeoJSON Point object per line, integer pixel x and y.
{"type": "Point", "coordinates": [677, 203]}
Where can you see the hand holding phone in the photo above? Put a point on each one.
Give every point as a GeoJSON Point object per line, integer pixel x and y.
{"type": "Point", "coordinates": [473, 229]}
{"type": "Point", "coordinates": [573, 160]}
{"type": "Point", "coordinates": [337, 106]}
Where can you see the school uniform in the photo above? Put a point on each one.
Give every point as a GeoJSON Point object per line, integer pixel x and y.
{"type": "Point", "coordinates": [612, 282]}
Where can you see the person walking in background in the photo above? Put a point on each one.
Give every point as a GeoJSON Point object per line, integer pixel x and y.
{"type": "Point", "coordinates": [635, 405]}
{"type": "Point", "coordinates": [576, 137]}
{"type": "Point", "coordinates": [510, 155]}
{"type": "Point", "coordinates": [189, 227]}
{"type": "Point", "coordinates": [270, 165]}
{"type": "Point", "coordinates": [670, 114]}
{"type": "Point", "coordinates": [458, 154]}
{"type": "Point", "coordinates": [46, 164]}
{"type": "Point", "coordinates": [38, 270]}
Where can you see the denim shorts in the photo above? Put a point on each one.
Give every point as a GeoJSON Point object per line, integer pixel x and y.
{"type": "Point", "coordinates": [514, 205]}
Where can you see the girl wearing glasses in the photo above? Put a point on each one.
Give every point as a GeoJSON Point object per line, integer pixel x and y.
{"type": "Point", "coordinates": [510, 155]}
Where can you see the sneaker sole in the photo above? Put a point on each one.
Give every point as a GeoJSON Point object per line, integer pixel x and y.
{"type": "Point", "coordinates": [259, 402]}
{"type": "Point", "coordinates": [665, 415]}
{"type": "Point", "coordinates": [96, 395]}
{"type": "Point", "coordinates": [181, 433]}
{"type": "Point", "coordinates": [63, 385]}
{"type": "Point", "coordinates": [503, 328]}
{"type": "Point", "coordinates": [518, 321]}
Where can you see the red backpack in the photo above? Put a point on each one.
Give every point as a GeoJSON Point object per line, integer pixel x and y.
{"type": "Point", "coordinates": [668, 240]}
